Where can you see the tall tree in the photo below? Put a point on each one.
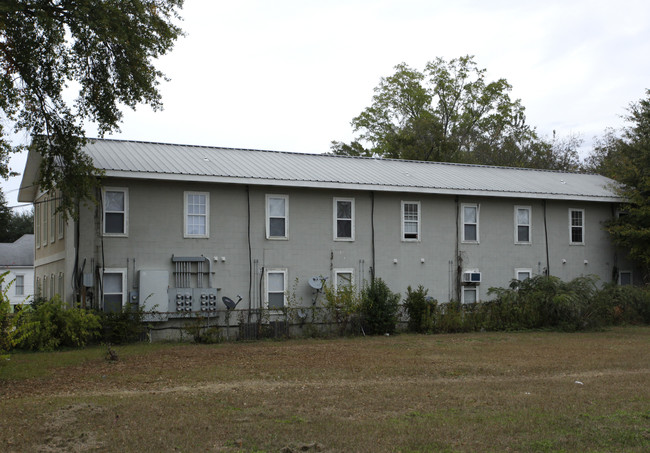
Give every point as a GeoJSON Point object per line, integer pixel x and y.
{"type": "Point", "coordinates": [627, 159]}
{"type": "Point", "coordinates": [105, 47]}
{"type": "Point", "coordinates": [14, 224]}
{"type": "Point", "coordinates": [449, 113]}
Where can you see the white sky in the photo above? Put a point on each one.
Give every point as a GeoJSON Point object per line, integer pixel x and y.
{"type": "Point", "coordinates": [290, 75]}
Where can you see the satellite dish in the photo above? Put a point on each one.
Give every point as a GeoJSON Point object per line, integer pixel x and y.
{"type": "Point", "coordinates": [316, 283]}
{"type": "Point", "coordinates": [229, 303]}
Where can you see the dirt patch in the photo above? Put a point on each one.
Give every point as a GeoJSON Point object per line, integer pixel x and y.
{"type": "Point", "coordinates": [60, 432]}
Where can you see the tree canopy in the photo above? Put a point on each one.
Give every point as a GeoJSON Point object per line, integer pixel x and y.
{"type": "Point", "coordinates": [105, 49]}
{"type": "Point", "coordinates": [450, 113]}
{"type": "Point", "coordinates": [14, 224]}
{"type": "Point", "coordinates": [626, 158]}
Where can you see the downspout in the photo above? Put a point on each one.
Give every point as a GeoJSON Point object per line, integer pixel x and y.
{"type": "Point", "coordinates": [459, 261]}
{"type": "Point", "coordinates": [548, 261]}
{"type": "Point", "coordinates": [372, 224]}
{"type": "Point", "coordinates": [250, 255]}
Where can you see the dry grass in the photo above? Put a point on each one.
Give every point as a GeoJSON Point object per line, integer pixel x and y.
{"type": "Point", "coordinates": [464, 392]}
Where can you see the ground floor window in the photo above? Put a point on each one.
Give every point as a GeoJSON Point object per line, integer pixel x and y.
{"type": "Point", "coordinates": [470, 294]}
{"type": "Point", "coordinates": [523, 274]}
{"type": "Point", "coordinates": [19, 285]}
{"type": "Point", "coordinates": [114, 289]}
{"type": "Point", "coordinates": [625, 278]}
{"type": "Point", "coordinates": [276, 283]}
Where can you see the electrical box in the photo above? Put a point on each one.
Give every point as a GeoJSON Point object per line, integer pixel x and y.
{"type": "Point", "coordinates": [153, 286]}
{"type": "Point", "coordinates": [88, 280]}
{"type": "Point", "coordinates": [187, 302]}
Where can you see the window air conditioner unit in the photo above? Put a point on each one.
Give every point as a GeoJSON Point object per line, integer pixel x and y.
{"type": "Point", "coordinates": [471, 277]}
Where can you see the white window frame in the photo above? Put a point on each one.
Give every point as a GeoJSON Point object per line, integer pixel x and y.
{"type": "Point", "coordinates": [115, 270]}
{"type": "Point", "coordinates": [125, 224]}
{"type": "Point", "coordinates": [282, 271]}
{"type": "Point", "coordinates": [625, 272]}
{"type": "Point", "coordinates": [52, 285]}
{"type": "Point", "coordinates": [19, 286]}
{"type": "Point", "coordinates": [286, 217]}
{"type": "Point", "coordinates": [52, 218]}
{"type": "Point", "coordinates": [37, 291]}
{"type": "Point", "coordinates": [61, 222]}
{"type": "Point", "coordinates": [44, 287]}
{"type": "Point", "coordinates": [529, 225]}
{"type": "Point", "coordinates": [336, 219]}
{"type": "Point", "coordinates": [186, 234]}
{"type": "Point", "coordinates": [571, 226]}
{"type": "Point", "coordinates": [37, 224]}
{"type": "Point", "coordinates": [522, 270]}
{"type": "Point", "coordinates": [61, 286]}
{"type": "Point", "coordinates": [469, 288]}
{"type": "Point", "coordinates": [463, 223]}
{"type": "Point", "coordinates": [343, 271]}
{"type": "Point", "coordinates": [404, 221]}
{"type": "Point", "coordinates": [44, 222]}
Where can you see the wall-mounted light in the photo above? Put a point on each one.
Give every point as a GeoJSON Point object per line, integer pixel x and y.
{"type": "Point", "coordinates": [563, 261]}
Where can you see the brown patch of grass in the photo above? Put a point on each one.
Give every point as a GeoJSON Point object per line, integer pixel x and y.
{"type": "Point", "coordinates": [464, 392]}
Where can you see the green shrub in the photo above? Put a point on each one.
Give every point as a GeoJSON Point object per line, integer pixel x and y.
{"type": "Point", "coordinates": [379, 308]}
{"type": "Point", "coordinates": [49, 326]}
{"type": "Point", "coordinates": [124, 326]}
{"type": "Point", "coordinates": [342, 304]}
{"type": "Point", "coordinates": [421, 310]}
{"type": "Point", "coordinates": [6, 343]}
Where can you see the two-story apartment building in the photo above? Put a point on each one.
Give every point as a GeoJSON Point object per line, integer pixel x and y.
{"type": "Point", "coordinates": [179, 227]}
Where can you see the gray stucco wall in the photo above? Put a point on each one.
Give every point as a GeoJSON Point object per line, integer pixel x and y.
{"type": "Point", "coordinates": [156, 232]}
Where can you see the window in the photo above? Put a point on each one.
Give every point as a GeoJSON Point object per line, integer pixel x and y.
{"type": "Point", "coordinates": [45, 287]}
{"type": "Point", "coordinates": [52, 216]}
{"type": "Point", "coordinates": [343, 278]}
{"type": "Point", "coordinates": [37, 225]}
{"type": "Point", "coordinates": [523, 274]}
{"type": "Point", "coordinates": [61, 221]}
{"type": "Point", "coordinates": [19, 285]}
{"type": "Point", "coordinates": [37, 290]}
{"type": "Point", "coordinates": [410, 220]}
{"type": "Point", "coordinates": [276, 280]}
{"type": "Point", "coordinates": [61, 292]}
{"type": "Point", "coordinates": [197, 214]}
{"type": "Point", "coordinates": [522, 225]}
{"type": "Point", "coordinates": [577, 226]}
{"type": "Point", "coordinates": [469, 295]}
{"type": "Point", "coordinates": [277, 216]}
{"type": "Point", "coordinates": [44, 221]}
{"type": "Point", "coordinates": [116, 209]}
{"type": "Point", "coordinates": [470, 222]}
{"type": "Point", "coordinates": [344, 219]}
{"type": "Point", "coordinates": [52, 287]}
{"type": "Point", "coordinates": [113, 287]}
{"type": "Point", "coordinates": [625, 278]}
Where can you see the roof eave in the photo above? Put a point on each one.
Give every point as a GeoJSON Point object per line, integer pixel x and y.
{"type": "Point", "coordinates": [349, 186]}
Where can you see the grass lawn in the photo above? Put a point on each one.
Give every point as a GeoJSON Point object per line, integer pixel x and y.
{"type": "Point", "coordinates": [532, 391]}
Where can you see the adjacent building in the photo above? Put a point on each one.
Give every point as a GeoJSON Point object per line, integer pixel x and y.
{"type": "Point", "coordinates": [17, 263]}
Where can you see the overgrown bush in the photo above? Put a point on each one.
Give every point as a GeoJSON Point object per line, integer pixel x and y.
{"type": "Point", "coordinates": [49, 326]}
{"type": "Point", "coordinates": [421, 310]}
{"type": "Point", "coordinates": [124, 326]}
{"type": "Point", "coordinates": [6, 343]}
{"type": "Point", "coordinates": [342, 304]}
{"type": "Point", "coordinates": [378, 308]}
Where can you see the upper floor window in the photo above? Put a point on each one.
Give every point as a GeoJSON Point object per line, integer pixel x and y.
{"type": "Point", "coordinates": [410, 220]}
{"type": "Point", "coordinates": [37, 224]}
{"type": "Point", "coordinates": [577, 226]}
{"type": "Point", "coordinates": [277, 216]}
{"type": "Point", "coordinates": [344, 219]}
{"type": "Point", "coordinates": [522, 224]}
{"type": "Point", "coordinates": [53, 202]}
{"type": "Point", "coordinates": [61, 220]}
{"type": "Point", "coordinates": [116, 211]}
{"type": "Point", "coordinates": [43, 206]}
{"type": "Point", "coordinates": [197, 214]}
{"type": "Point", "coordinates": [470, 222]}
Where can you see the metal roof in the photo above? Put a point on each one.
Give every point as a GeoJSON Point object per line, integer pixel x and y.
{"type": "Point", "coordinates": [131, 159]}
{"type": "Point", "coordinates": [18, 253]}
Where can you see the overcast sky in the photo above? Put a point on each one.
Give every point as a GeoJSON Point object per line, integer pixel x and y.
{"type": "Point", "coordinates": [290, 75]}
